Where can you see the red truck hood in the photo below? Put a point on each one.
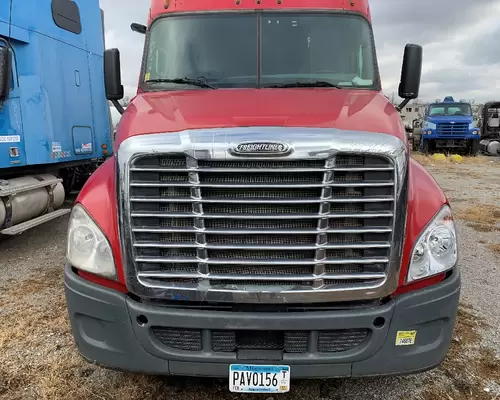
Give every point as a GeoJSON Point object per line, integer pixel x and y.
{"type": "Point", "coordinates": [357, 110]}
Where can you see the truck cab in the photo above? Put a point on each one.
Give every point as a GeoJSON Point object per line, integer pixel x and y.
{"type": "Point", "coordinates": [489, 123]}
{"type": "Point", "coordinates": [54, 116]}
{"type": "Point", "coordinates": [261, 218]}
{"type": "Point", "coordinates": [449, 126]}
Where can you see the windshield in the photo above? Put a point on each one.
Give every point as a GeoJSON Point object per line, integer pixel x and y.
{"type": "Point", "coordinates": [450, 109]}
{"type": "Point", "coordinates": [226, 51]}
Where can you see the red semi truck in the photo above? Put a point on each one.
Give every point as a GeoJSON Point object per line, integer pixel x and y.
{"type": "Point", "coordinates": [261, 218]}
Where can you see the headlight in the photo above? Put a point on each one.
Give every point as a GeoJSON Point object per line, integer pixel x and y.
{"type": "Point", "coordinates": [436, 248]}
{"type": "Point", "coordinates": [87, 248]}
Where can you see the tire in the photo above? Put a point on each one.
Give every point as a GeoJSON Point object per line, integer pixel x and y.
{"type": "Point", "coordinates": [424, 146]}
{"type": "Point", "coordinates": [416, 143]}
{"type": "Point", "coordinates": [68, 177]}
{"type": "Point", "coordinates": [474, 148]}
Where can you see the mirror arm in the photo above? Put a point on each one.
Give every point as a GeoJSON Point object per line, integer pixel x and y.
{"type": "Point", "coordinates": [118, 106]}
{"type": "Point", "coordinates": [403, 103]}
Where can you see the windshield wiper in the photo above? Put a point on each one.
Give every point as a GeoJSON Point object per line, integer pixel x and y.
{"type": "Point", "coordinates": [200, 82]}
{"type": "Point", "coordinates": [305, 84]}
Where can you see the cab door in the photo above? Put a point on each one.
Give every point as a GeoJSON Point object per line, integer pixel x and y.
{"type": "Point", "coordinates": [4, 17]}
{"type": "Point", "coordinates": [12, 151]}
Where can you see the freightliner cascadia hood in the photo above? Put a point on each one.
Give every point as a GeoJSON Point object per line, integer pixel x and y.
{"type": "Point", "coordinates": [344, 109]}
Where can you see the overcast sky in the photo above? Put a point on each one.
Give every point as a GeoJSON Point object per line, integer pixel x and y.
{"type": "Point", "coordinates": [461, 40]}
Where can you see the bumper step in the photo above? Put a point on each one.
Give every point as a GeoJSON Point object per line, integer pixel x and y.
{"type": "Point", "coordinates": [20, 228]}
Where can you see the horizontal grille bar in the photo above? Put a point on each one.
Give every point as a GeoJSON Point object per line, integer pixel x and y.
{"type": "Point", "coordinates": [182, 260]}
{"type": "Point", "coordinates": [250, 170]}
{"type": "Point", "coordinates": [264, 247]}
{"type": "Point", "coordinates": [265, 216]}
{"type": "Point", "coordinates": [374, 199]}
{"type": "Point", "coordinates": [260, 231]}
{"type": "Point", "coordinates": [249, 186]}
{"type": "Point", "coordinates": [233, 277]}
{"type": "Point", "coordinates": [255, 288]}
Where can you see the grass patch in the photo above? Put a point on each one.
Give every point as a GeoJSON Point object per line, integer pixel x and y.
{"type": "Point", "coordinates": [34, 284]}
{"type": "Point", "coordinates": [484, 228]}
{"type": "Point", "coordinates": [468, 366]}
{"type": "Point", "coordinates": [425, 160]}
{"type": "Point", "coordinates": [428, 160]}
{"type": "Point", "coordinates": [495, 247]}
{"type": "Point", "coordinates": [481, 217]}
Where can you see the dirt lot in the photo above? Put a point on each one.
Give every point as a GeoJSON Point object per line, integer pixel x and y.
{"type": "Point", "coordinates": [38, 359]}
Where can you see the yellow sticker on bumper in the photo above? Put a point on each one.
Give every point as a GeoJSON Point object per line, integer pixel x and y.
{"type": "Point", "coordinates": [405, 338]}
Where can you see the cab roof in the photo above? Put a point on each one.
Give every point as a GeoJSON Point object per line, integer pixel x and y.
{"type": "Point", "coordinates": [159, 7]}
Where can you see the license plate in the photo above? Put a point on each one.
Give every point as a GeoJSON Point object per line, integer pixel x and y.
{"type": "Point", "coordinates": [259, 378]}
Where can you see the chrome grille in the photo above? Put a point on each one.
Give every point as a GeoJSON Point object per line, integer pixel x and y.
{"type": "Point", "coordinates": [322, 223]}
{"type": "Point", "coordinates": [233, 225]}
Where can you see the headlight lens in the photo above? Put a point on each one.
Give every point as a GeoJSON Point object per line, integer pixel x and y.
{"type": "Point", "coordinates": [436, 248]}
{"type": "Point", "coordinates": [87, 247]}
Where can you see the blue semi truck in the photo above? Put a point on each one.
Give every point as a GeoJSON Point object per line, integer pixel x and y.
{"type": "Point", "coordinates": [449, 126]}
{"type": "Point", "coordinates": [55, 126]}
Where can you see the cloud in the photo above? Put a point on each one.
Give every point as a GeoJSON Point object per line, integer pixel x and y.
{"type": "Point", "coordinates": [460, 46]}
{"type": "Point", "coordinates": [460, 40]}
{"type": "Point", "coordinates": [427, 21]}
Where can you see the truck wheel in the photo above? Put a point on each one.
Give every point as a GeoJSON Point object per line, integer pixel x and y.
{"type": "Point", "coordinates": [415, 144]}
{"type": "Point", "coordinates": [68, 176]}
{"type": "Point", "coordinates": [424, 148]}
{"type": "Point", "coordinates": [474, 148]}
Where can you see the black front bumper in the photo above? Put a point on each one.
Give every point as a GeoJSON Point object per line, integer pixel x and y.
{"type": "Point", "coordinates": [113, 330]}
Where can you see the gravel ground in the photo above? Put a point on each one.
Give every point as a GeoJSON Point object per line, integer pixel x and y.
{"type": "Point", "coordinates": [38, 359]}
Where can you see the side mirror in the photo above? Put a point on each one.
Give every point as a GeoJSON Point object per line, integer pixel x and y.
{"type": "Point", "coordinates": [5, 73]}
{"type": "Point", "coordinates": [409, 86]}
{"type": "Point", "coordinates": [139, 28]}
{"type": "Point", "coordinates": [113, 78]}
{"type": "Point", "coordinates": [411, 72]}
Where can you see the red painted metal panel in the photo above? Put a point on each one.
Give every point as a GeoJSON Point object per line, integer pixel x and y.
{"type": "Point", "coordinates": [158, 6]}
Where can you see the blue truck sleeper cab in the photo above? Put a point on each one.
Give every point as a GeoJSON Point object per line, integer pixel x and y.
{"type": "Point", "coordinates": [55, 126]}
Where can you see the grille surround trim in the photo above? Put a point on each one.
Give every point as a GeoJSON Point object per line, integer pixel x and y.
{"type": "Point", "coordinates": [214, 144]}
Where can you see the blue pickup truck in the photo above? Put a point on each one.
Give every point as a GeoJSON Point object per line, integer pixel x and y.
{"type": "Point", "coordinates": [55, 126]}
{"type": "Point", "coordinates": [449, 126]}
